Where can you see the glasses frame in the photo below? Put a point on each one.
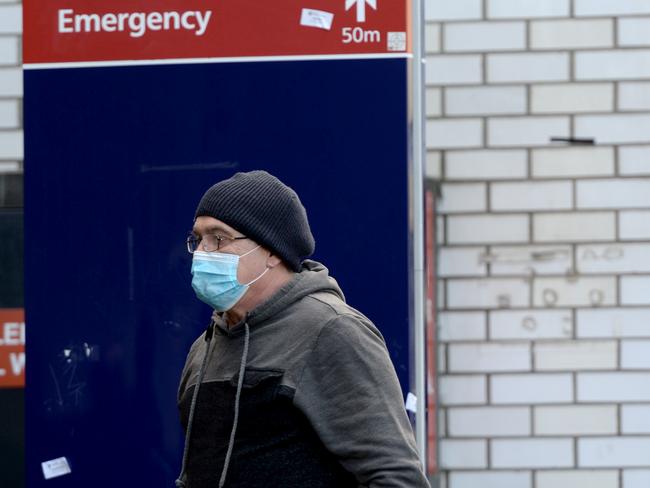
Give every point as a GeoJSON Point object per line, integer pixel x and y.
{"type": "Point", "coordinates": [219, 238]}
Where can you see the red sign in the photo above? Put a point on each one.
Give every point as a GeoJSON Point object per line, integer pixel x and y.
{"type": "Point", "coordinates": [12, 348]}
{"type": "Point", "coordinates": [82, 31]}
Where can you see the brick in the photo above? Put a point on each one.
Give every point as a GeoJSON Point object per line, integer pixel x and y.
{"type": "Point", "coordinates": [475, 229]}
{"type": "Point", "coordinates": [488, 100]}
{"type": "Point", "coordinates": [573, 161]}
{"type": "Point", "coordinates": [442, 423]}
{"type": "Point", "coordinates": [11, 19]}
{"type": "Point", "coordinates": [489, 421]}
{"type": "Point", "coordinates": [476, 358]}
{"type": "Point", "coordinates": [461, 261]}
{"type": "Point", "coordinates": [577, 479]}
{"type": "Point", "coordinates": [11, 82]}
{"type": "Point", "coordinates": [612, 65]}
{"type": "Point", "coordinates": [530, 324]}
{"type": "Point", "coordinates": [635, 290]}
{"type": "Point", "coordinates": [634, 224]}
{"type": "Point", "coordinates": [574, 292]}
{"type": "Point", "coordinates": [451, 70]}
{"type": "Point", "coordinates": [571, 34]}
{"type": "Point", "coordinates": [537, 388]}
{"type": "Point", "coordinates": [462, 390]}
{"type": "Point", "coordinates": [525, 131]}
{"type": "Point", "coordinates": [461, 326]}
{"type": "Point", "coordinates": [457, 10]}
{"type": "Point", "coordinates": [531, 453]}
{"type": "Point", "coordinates": [613, 193]}
{"type": "Point", "coordinates": [11, 144]}
{"type": "Point", "coordinates": [485, 164]}
{"type": "Point", "coordinates": [490, 479]}
{"type": "Point", "coordinates": [634, 95]}
{"type": "Point", "coordinates": [553, 195]}
{"type": "Point", "coordinates": [462, 454]}
{"type": "Point", "coordinates": [440, 228]}
{"type": "Point", "coordinates": [635, 354]}
{"type": "Point", "coordinates": [575, 355]}
{"type": "Point", "coordinates": [529, 260]}
{"type": "Point", "coordinates": [484, 36]}
{"type": "Point", "coordinates": [613, 387]}
{"type": "Point", "coordinates": [614, 452]}
{"type": "Point", "coordinates": [575, 420]}
{"type": "Point", "coordinates": [10, 167]}
{"type": "Point", "coordinates": [433, 102]}
{"type": "Point", "coordinates": [574, 227]}
{"type": "Point", "coordinates": [9, 114]}
{"type": "Point", "coordinates": [432, 38]}
{"type": "Point", "coordinates": [487, 293]}
{"type": "Point", "coordinates": [450, 133]}
{"type": "Point", "coordinates": [442, 359]}
{"type": "Point", "coordinates": [9, 51]}
{"type": "Point", "coordinates": [613, 129]}
{"type": "Point", "coordinates": [440, 290]}
{"type": "Point", "coordinates": [433, 165]}
{"type": "Point", "coordinates": [634, 32]}
{"type": "Point", "coordinates": [572, 98]}
{"type": "Point", "coordinates": [636, 478]}
{"type": "Point", "coordinates": [635, 419]}
{"type": "Point", "coordinates": [634, 160]}
{"type": "Point", "coordinates": [514, 68]}
{"type": "Point", "coordinates": [526, 9]}
{"type": "Point", "coordinates": [608, 8]}
{"type": "Point", "coordinates": [463, 197]}
{"type": "Point", "coordinates": [613, 322]}
{"type": "Point", "coordinates": [614, 258]}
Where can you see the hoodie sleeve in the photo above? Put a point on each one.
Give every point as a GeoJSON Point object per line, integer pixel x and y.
{"type": "Point", "coordinates": [350, 393]}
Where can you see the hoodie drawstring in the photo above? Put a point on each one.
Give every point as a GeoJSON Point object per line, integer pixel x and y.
{"type": "Point", "coordinates": [180, 482]}
{"type": "Point", "coordinates": [240, 384]}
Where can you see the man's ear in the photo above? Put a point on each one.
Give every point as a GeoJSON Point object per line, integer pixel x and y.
{"type": "Point", "coordinates": [273, 261]}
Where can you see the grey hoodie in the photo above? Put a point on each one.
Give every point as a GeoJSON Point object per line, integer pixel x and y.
{"type": "Point", "coordinates": [318, 406]}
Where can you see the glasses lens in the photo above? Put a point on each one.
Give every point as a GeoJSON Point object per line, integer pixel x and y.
{"type": "Point", "coordinates": [192, 244]}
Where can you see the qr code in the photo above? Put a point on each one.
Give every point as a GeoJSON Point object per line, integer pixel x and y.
{"type": "Point", "coordinates": [397, 41]}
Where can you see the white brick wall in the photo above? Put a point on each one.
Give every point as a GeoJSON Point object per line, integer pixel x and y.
{"type": "Point", "coordinates": [513, 196]}
{"type": "Point", "coordinates": [613, 452]}
{"type": "Point", "coordinates": [572, 98]}
{"type": "Point", "coordinates": [491, 479]}
{"type": "Point", "coordinates": [535, 453]}
{"type": "Point", "coordinates": [634, 160]}
{"type": "Point", "coordinates": [545, 262]}
{"type": "Point", "coordinates": [463, 453]}
{"type": "Point", "coordinates": [527, 8]}
{"type": "Point", "coordinates": [531, 388]}
{"type": "Point", "coordinates": [486, 100]}
{"type": "Point", "coordinates": [484, 36]}
{"type": "Point", "coordinates": [577, 479]}
{"type": "Point", "coordinates": [576, 420]}
{"type": "Point", "coordinates": [486, 164]}
{"type": "Point", "coordinates": [489, 421]}
{"type": "Point", "coordinates": [571, 34]}
{"type": "Point", "coordinates": [572, 161]}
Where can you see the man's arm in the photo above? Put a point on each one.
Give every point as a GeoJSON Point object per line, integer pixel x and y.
{"type": "Point", "coordinates": [350, 393]}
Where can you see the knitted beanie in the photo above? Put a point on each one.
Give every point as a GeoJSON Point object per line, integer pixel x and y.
{"type": "Point", "coordinates": [264, 209]}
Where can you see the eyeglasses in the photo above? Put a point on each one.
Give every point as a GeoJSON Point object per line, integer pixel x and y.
{"type": "Point", "coordinates": [209, 243]}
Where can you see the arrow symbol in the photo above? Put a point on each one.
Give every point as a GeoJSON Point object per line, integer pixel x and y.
{"type": "Point", "coordinates": [361, 7]}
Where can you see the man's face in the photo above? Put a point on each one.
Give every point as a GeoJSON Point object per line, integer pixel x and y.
{"type": "Point", "coordinates": [251, 266]}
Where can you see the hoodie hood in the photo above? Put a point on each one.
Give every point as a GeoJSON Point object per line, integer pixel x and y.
{"type": "Point", "coordinates": [313, 277]}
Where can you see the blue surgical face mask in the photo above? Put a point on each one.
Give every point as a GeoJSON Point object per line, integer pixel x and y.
{"type": "Point", "coordinates": [214, 279]}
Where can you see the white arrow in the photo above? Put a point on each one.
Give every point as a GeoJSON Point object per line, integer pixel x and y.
{"type": "Point", "coordinates": [361, 7]}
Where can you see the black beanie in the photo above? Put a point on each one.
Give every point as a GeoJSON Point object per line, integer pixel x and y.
{"type": "Point", "coordinates": [263, 208]}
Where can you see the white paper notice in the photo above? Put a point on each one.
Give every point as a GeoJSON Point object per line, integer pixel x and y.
{"type": "Point", "coordinates": [316, 18]}
{"type": "Point", "coordinates": [411, 403]}
{"type": "Point", "coordinates": [55, 467]}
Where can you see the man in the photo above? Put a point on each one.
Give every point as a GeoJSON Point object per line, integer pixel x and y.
{"type": "Point", "coordinates": [289, 386]}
